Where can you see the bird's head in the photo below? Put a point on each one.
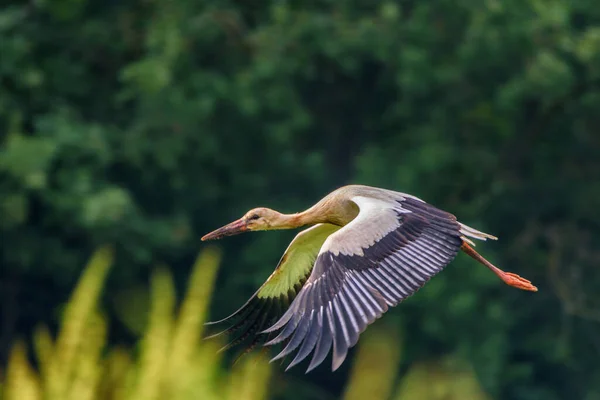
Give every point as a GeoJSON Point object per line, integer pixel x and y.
{"type": "Point", "coordinates": [257, 219]}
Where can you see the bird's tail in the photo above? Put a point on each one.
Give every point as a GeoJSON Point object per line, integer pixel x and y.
{"type": "Point", "coordinates": [467, 232]}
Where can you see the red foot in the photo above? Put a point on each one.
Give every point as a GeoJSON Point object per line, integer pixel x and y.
{"type": "Point", "coordinates": [515, 280]}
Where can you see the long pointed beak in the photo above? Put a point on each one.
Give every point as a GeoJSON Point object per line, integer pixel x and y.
{"type": "Point", "coordinates": [231, 229]}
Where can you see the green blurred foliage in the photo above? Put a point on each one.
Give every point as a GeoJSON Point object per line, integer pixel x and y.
{"type": "Point", "coordinates": [147, 124]}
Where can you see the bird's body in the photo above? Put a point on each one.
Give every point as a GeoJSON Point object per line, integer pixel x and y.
{"type": "Point", "coordinates": [367, 249]}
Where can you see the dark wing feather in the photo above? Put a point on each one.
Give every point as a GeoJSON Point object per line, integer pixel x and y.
{"type": "Point", "coordinates": [389, 251]}
{"type": "Point", "coordinates": [274, 297]}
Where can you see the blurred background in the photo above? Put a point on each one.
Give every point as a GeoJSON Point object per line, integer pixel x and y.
{"type": "Point", "coordinates": [128, 129]}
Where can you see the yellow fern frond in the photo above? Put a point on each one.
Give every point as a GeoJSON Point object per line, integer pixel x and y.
{"type": "Point", "coordinates": [21, 381]}
{"type": "Point", "coordinates": [156, 344]}
{"type": "Point", "coordinates": [44, 349]}
{"type": "Point", "coordinates": [87, 361]}
{"type": "Point", "coordinates": [444, 379]}
{"type": "Point", "coordinates": [81, 305]}
{"type": "Point", "coordinates": [375, 365]}
{"type": "Point", "coordinates": [188, 327]}
{"type": "Point", "coordinates": [250, 378]}
{"type": "Point", "coordinates": [116, 375]}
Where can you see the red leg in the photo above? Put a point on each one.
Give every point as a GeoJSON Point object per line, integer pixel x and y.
{"type": "Point", "coordinates": [509, 278]}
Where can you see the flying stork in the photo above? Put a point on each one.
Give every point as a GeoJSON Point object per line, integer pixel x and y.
{"type": "Point", "coordinates": [366, 250]}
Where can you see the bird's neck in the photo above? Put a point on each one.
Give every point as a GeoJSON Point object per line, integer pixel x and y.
{"type": "Point", "coordinates": [322, 212]}
{"type": "Point", "coordinates": [304, 218]}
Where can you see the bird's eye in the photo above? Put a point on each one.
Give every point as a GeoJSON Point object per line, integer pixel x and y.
{"type": "Point", "coordinates": [254, 216]}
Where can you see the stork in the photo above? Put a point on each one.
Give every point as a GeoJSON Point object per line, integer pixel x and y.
{"type": "Point", "coordinates": [366, 250]}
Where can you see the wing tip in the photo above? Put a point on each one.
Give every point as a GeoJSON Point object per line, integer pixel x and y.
{"type": "Point", "coordinates": [311, 367]}
{"type": "Point", "coordinates": [337, 360]}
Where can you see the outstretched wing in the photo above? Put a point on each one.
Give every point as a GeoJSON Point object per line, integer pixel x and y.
{"type": "Point", "coordinates": [273, 298]}
{"type": "Point", "coordinates": [390, 250]}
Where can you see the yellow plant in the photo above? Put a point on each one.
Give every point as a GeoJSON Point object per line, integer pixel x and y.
{"type": "Point", "coordinates": [78, 315]}
{"type": "Point", "coordinates": [249, 379]}
{"type": "Point", "coordinates": [375, 366]}
{"type": "Point", "coordinates": [172, 363]}
{"type": "Point", "coordinates": [21, 380]}
{"type": "Point", "coordinates": [445, 379]}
